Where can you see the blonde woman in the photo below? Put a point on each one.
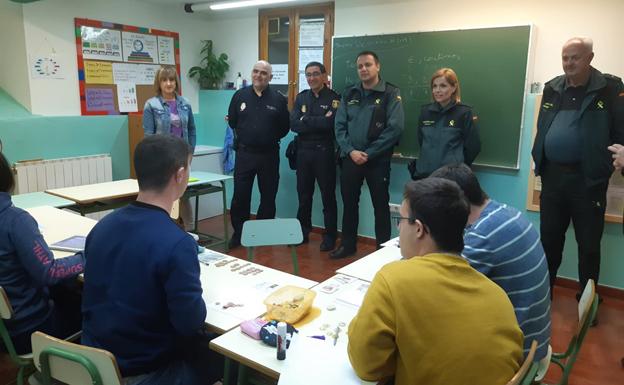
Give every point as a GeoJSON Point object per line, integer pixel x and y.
{"type": "Point", "coordinates": [447, 128]}
{"type": "Point", "coordinates": [168, 113]}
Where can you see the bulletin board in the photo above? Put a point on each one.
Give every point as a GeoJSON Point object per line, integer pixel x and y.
{"type": "Point", "coordinates": [117, 64]}
{"type": "Point", "coordinates": [615, 192]}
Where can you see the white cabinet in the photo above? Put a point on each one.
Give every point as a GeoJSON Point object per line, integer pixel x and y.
{"type": "Point", "coordinates": [208, 158]}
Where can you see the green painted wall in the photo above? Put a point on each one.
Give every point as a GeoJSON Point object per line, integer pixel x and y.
{"type": "Point", "coordinates": [503, 185]}
{"type": "Point", "coordinates": [27, 136]}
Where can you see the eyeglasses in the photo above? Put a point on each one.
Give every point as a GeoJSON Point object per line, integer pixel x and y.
{"type": "Point", "coordinates": [397, 220]}
{"type": "Point", "coordinates": [312, 74]}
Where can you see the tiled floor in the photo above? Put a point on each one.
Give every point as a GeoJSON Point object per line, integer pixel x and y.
{"type": "Point", "coordinates": [599, 362]}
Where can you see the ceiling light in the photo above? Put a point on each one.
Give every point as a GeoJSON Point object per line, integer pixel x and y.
{"type": "Point", "coordinates": [229, 5]}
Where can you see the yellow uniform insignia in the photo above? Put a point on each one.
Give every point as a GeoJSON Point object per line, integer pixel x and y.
{"type": "Point", "coordinates": [600, 104]}
{"type": "Point", "coordinates": [335, 103]}
{"type": "Point", "coordinates": [377, 101]}
{"type": "Point", "coordinates": [452, 123]}
{"type": "Point", "coordinates": [243, 106]}
{"type": "Point", "coordinates": [399, 98]}
{"type": "Point", "coordinates": [303, 109]}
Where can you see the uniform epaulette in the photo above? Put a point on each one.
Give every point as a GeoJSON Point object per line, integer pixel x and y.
{"type": "Point", "coordinates": [612, 77]}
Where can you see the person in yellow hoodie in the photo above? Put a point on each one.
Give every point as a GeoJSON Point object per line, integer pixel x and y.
{"type": "Point", "coordinates": [430, 318]}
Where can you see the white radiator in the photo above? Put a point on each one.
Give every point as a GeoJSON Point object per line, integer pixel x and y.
{"type": "Point", "coordinates": [41, 175]}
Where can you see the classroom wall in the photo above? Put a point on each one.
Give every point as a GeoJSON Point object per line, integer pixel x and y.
{"type": "Point", "coordinates": [49, 25]}
{"type": "Point", "coordinates": [13, 63]}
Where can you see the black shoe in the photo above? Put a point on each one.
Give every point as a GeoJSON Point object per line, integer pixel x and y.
{"type": "Point", "coordinates": [341, 252]}
{"type": "Point", "coordinates": [329, 243]}
{"type": "Point", "coordinates": [234, 243]}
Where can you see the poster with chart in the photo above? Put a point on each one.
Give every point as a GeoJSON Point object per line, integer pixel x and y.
{"type": "Point", "coordinates": [100, 43]}
{"type": "Point", "coordinates": [166, 53]}
{"type": "Point", "coordinates": [139, 48]}
{"type": "Point", "coordinates": [127, 97]}
{"type": "Point", "coordinates": [117, 65]}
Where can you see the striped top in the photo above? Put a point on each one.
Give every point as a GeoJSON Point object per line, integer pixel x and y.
{"type": "Point", "coordinates": [503, 245]}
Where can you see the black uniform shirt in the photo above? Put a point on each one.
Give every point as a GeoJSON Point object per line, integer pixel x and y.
{"type": "Point", "coordinates": [308, 117]}
{"type": "Point", "coordinates": [259, 121]}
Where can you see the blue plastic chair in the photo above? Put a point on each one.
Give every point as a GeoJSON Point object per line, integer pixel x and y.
{"type": "Point", "coordinates": [272, 232]}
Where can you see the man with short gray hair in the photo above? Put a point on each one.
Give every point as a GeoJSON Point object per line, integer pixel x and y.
{"type": "Point", "coordinates": [259, 118]}
{"type": "Point", "coordinates": [581, 114]}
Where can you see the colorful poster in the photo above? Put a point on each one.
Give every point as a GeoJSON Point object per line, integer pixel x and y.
{"type": "Point", "coordinates": [134, 73]}
{"type": "Point", "coordinates": [98, 72]}
{"type": "Point", "coordinates": [100, 43]}
{"type": "Point", "coordinates": [100, 99]}
{"type": "Point", "coordinates": [166, 50]}
{"type": "Point", "coordinates": [127, 97]}
{"type": "Point", "coordinates": [139, 48]}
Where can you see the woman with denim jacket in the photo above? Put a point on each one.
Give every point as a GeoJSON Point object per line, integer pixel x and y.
{"type": "Point", "coordinates": [168, 113]}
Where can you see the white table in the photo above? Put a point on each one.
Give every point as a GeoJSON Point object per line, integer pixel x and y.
{"type": "Point", "coordinates": [237, 282]}
{"type": "Point", "coordinates": [366, 267]}
{"type": "Point", "coordinates": [56, 225]}
{"type": "Point", "coordinates": [255, 354]}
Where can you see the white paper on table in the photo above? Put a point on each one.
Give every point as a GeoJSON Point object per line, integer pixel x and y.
{"type": "Point", "coordinates": [392, 242]}
{"type": "Point", "coordinates": [313, 361]}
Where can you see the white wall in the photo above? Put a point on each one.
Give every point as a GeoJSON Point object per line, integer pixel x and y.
{"type": "Point", "coordinates": [50, 25]}
{"type": "Point", "coordinates": [13, 57]}
{"type": "Point", "coordinates": [555, 22]}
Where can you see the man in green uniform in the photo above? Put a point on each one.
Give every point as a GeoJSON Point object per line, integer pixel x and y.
{"type": "Point", "coordinates": [369, 123]}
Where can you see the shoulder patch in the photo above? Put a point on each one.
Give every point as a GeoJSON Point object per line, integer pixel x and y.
{"type": "Point", "coordinates": [335, 103]}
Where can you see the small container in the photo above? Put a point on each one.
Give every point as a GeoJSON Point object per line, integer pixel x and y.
{"type": "Point", "coordinates": [281, 341]}
{"type": "Point", "coordinates": [238, 84]}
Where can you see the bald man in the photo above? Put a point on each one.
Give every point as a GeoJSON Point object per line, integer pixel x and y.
{"type": "Point", "coordinates": [582, 113]}
{"type": "Point", "coordinates": [259, 117]}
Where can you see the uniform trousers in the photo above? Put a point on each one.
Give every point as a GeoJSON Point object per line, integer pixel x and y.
{"type": "Point", "coordinates": [376, 172]}
{"type": "Point", "coordinates": [264, 164]}
{"type": "Point", "coordinates": [316, 162]}
{"type": "Point", "coordinates": [564, 196]}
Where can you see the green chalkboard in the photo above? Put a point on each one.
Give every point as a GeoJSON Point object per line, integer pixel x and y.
{"type": "Point", "coordinates": [491, 64]}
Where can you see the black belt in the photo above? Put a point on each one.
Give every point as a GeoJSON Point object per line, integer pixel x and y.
{"type": "Point", "coordinates": [258, 149]}
{"type": "Point", "coordinates": [565, 167]}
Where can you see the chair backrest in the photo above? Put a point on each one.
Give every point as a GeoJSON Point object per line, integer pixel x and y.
{"type": "Point", "coordinates": [72, 363]}
{"type": "Point", "coordinates": [525, 369]}
{"type": "Point", "coordinates": [585, 306]}
{"type": "Point", "coordinates": [271, 232]}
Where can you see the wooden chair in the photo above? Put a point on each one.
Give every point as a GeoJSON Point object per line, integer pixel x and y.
{"type": "Point", "coordinates": [23, 361]}
{"type": "Point", "coordinates": [587, 310]}
{"type": "Point", "coordinates": [526, 373]}
{"type": "Point", "coordinates": [73, 364]}
{"type": "Point", "coordinates": [273, 232]}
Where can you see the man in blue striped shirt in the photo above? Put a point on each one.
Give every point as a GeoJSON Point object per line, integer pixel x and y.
{"type": "Point", "coordinates": [502, 244]}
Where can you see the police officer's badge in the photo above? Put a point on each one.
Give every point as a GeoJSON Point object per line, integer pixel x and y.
{"type": "Point", "coordinates": [335, 103]}
{"type": "Point", "coordinates": [243, 106]}
{"type": "Point", "coordinates": [304, 109]}
{"type": "Point", "coordinates": [377, 101]}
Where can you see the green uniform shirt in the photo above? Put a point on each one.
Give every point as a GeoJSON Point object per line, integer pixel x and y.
{"type": "Point", "coordinates": [354, 115]}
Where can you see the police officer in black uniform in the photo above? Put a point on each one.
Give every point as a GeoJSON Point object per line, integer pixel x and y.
{"type": "Point", "coordinates": [259, 117]}
{"type": "Point", "coordinates": [312, 118]}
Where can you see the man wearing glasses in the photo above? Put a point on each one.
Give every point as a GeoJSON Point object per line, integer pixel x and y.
{"type": "Point", "coordinates": [312, 118]}
{"type": "Point", "coordinates": [417, 309]}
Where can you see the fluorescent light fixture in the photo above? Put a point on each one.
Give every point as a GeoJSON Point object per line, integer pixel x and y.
{"type": "Point", "coordinates": [247, 3]}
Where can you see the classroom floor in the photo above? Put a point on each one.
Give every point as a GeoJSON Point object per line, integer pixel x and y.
{"type": "Point", "coordinates": [598, 363]}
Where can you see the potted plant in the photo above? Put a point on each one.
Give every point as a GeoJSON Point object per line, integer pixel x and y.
{"type": "Point", "coordinates": [211, 70]}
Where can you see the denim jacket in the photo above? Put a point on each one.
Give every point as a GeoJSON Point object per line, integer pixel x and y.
{"type": "Point", "coordinates": [156, 118]}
